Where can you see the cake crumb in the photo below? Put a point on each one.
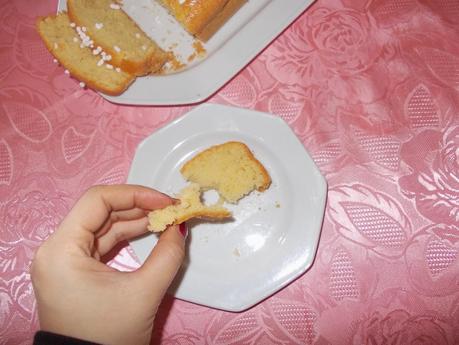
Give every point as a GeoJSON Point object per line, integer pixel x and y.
{"type": "Point", "coordinates": [172, 64]}
{"type": "Point", "coordinates": [199, 48]}
{"type": "Point", "coordinates": [236, 252]}
{"type": "Point", "coordinates": [191, 57]}
{"type": "Point", "coordinates": [277, 204]}
{"type": "Point", "coordinates": [199, 51]}
{"type": "Point", "coordinates": [172, 46]}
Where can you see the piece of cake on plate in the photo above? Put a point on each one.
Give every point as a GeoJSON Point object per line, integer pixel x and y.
{"type": "Point", "coordinates": [229, 168]}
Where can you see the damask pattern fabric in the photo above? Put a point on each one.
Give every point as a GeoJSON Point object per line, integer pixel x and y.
{"type": "Point", "coordinates": [371, 88]}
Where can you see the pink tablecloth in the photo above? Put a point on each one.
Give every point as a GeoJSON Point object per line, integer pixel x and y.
{"type": "Point", "coordinates": [371, 87]}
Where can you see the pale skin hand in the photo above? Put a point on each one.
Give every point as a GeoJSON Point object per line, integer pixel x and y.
{"type": "Point", "coordinates": [79, 296]}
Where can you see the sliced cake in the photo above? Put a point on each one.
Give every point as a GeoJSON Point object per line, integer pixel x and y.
{"type": "Point", "coordinates": [79, 59]}
{"type": "Point", "coordinates": [230, 168]}
{"type": "Point", "coordinates": [105, 22]}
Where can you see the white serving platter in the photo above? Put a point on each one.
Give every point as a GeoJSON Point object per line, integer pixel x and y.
{"type": "Point", "coordinates": [245, 35]}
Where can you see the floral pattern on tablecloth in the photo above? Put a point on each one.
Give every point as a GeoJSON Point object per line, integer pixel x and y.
{"type": "Point", "coordinates": [371, 87]}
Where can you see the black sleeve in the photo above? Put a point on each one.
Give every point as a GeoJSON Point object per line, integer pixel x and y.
{"type": "Point", "coordinates": [47, 338]}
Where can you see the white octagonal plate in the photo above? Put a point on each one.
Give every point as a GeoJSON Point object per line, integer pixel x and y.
{"type": "Point", "coordinates": [273, 237]}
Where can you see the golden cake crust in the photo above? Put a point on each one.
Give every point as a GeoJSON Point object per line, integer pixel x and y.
{"type": "Point", "coordinates": [203, 18]}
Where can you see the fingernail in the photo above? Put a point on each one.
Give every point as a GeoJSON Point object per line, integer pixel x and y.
{"type": "Point", "coordinates": [183, 229]}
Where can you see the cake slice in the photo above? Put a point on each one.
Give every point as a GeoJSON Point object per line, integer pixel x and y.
{"type": "Point", "coordinates": [202, 18]}
{"type": "Point", "coordinates": [230, 168]}
{"type": "Point", "coordinates": [65, 45]}
{"type": "Point", "coordinates": [189, 206]}
{"type": "Point", "coordinates": [105, 22]}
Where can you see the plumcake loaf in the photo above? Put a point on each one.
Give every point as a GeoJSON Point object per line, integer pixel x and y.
{"type": "Point", "coordinates": [66, 46]}
{"type": "Point", "coordinates": [105, 22]}
{"type": "Point", "coordinates": [230, 168]}
{"type": "Point", "coordinates": [202, 18]}
{"type": "Point", "coordinates": [189, 206]}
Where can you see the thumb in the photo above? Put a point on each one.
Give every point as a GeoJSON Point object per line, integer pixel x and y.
{"type": "Point", "coordinates": [161, 266]}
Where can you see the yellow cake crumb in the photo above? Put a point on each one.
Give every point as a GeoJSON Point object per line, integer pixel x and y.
{"type": "Point", "coordinates": [189, 206]}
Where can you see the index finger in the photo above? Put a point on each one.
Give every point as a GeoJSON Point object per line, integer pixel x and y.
{"type": "Point", "coordinates": [95, 205]}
